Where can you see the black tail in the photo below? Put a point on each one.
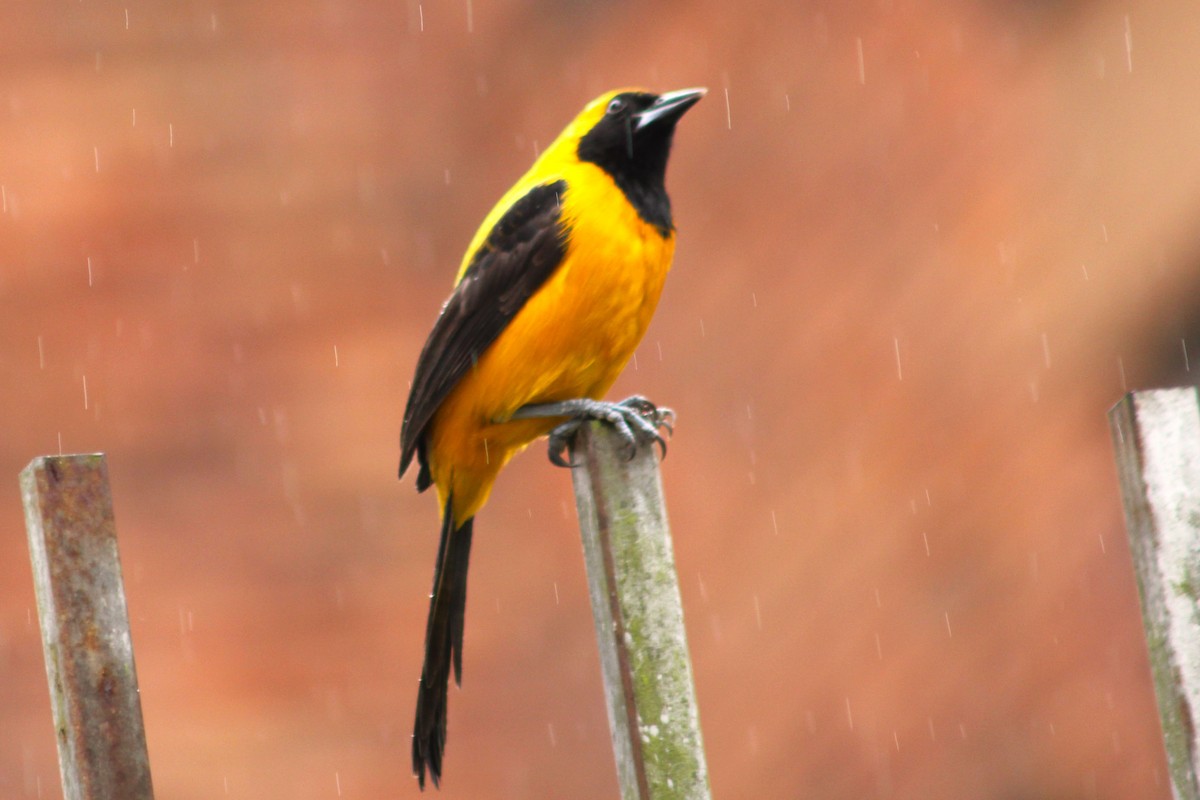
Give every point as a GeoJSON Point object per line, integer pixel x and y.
{"type": "Point", "coordinates": [443, 645]}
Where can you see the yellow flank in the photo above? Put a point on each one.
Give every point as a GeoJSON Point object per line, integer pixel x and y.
{"type": "Point", "coordinates": [573, 336]}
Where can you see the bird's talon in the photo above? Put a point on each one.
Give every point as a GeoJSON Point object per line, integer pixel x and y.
{"type": "Point", "coordinates": [560, 442]}
{"type": "Point", "coordinates": [557, 460]}
{"type": "Point", "coordinates": [635, 419]}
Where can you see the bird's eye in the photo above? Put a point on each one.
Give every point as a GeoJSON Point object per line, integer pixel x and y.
{"type": "Point", "coordinates": [615, 106]}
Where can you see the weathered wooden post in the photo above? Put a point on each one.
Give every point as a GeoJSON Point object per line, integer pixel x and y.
{"type": "Point", "coordinates": [639, 619]}
{"type": "Point", "coordinates": [1157, 439]}
{"type": "Point", "coordinates": [85, 629]}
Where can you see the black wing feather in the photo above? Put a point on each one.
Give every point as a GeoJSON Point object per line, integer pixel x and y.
{"type": "Point", "coordinates": [520, 253]}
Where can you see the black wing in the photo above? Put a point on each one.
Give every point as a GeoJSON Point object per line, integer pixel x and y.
{"type": "Point", "coordinates": [519, 254]}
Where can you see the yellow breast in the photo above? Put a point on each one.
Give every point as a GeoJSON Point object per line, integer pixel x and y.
{"type": "Point", "coordinates": [572, 338]}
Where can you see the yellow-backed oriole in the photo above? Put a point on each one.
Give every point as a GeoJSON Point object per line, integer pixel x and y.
{"type": "Point", "coordinates": [552, 297]}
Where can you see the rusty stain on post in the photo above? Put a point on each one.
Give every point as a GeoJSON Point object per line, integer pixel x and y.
{"type": "Point", "coordinates": [638, 613]}
{"type": "Point", "coordinates": [85, 629]}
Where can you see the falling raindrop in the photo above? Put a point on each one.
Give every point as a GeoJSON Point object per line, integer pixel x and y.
{"type": "Point", "coordinates": [728, 111]}
{"type": "Point", "coordinates": [1128, 46]}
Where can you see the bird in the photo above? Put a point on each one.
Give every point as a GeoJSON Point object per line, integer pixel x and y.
{"type": "Point", "coordinates": [552, 297]}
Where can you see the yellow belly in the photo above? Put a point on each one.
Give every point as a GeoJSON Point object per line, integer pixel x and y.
{"type": "Point", "coordinates": [570, 340]}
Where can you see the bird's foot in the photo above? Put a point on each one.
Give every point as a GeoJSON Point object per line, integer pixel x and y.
{"type": "Point", "coordinates": [635, 419]}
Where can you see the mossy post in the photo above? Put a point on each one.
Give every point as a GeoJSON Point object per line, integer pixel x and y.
{"type": "Point", "coordinates": [85, 629]}
{"type": "Point", "coordinates": [1157, 439]}
{"type": "Point", "coordinates": [639, 619]}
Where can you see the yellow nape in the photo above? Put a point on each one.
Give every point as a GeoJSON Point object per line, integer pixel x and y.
{"type": "Point", "coordinates": [547, 168]}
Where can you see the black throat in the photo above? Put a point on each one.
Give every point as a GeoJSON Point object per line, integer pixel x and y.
{"type": "Point", "coordinates": [637, 163]}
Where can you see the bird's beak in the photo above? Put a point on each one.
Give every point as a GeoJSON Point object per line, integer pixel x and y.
{"type": "Point", "coordinates": [668, 108]}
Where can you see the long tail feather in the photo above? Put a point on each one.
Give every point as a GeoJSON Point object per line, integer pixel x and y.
{"type": "Point", "coordinates": [443, 646]}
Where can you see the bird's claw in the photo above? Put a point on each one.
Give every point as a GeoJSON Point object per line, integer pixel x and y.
{"type": "Point", "coordinates": [635, 419]}
{"type": "Point", "coordinates": [642, 420]}
{"type": "Point", "coordinates": [560, 442]}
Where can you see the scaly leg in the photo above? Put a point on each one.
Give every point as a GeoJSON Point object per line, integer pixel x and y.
{"type": "Point", "coordinates": [635, 419]}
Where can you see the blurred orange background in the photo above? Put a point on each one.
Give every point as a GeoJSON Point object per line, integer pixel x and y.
{"type": "Point", "coordinates": [923, 247]}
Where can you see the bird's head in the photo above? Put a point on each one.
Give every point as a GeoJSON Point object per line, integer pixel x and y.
{"type": "Point", "coordinates": [628, 132]}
